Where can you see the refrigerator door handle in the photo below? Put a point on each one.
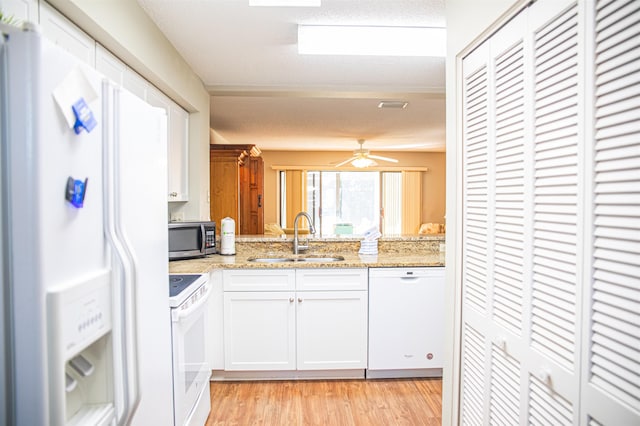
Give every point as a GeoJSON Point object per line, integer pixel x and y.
{"type": "Point", "coordinates": [123, 260]}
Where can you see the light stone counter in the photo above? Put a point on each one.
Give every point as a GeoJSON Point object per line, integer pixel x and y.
{"type": "Point", "coordinates": [351, 260]}
{"type": "Point", "coordinates": [400, 251]}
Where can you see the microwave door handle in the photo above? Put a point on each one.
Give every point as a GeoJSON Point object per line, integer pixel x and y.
{"type": "Point", "coordinates": [203, 238]}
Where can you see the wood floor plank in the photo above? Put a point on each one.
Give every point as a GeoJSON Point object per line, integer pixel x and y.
{"type": "Point", "coordinates": [327, 402]}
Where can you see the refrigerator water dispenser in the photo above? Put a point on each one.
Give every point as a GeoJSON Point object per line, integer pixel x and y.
{"type": "Point", "coordinates": [81, 388]}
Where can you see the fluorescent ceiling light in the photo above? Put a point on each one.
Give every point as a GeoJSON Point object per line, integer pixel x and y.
{"type": "Point", "coordinates": [379, 41]}
{"type": "Point", "coordinates": [293, 3]}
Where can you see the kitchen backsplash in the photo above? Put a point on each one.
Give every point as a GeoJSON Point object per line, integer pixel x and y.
{"type": "Point", "coordinates": [415, 245]}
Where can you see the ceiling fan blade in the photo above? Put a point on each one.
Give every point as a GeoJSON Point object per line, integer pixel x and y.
{"type": "Point", "coordinates": [377, 157]}
{"type": "Point", "coordinates": [346, 161]}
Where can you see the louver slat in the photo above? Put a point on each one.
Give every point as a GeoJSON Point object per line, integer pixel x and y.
{"type": "Point", "coordinates": [615, 334]}
{"type": "Point", "coordinates": [553, 330]}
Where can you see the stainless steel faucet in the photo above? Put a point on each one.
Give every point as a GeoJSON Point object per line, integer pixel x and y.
{"type": "Point", "coordinates": [296, 245]}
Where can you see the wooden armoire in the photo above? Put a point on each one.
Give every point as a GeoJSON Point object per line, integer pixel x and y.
{"type": "Point", "coordinates": [237, 186]}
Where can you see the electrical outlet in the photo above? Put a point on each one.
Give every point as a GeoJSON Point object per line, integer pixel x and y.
{"type": "Point", "coordinates": [177, 217]}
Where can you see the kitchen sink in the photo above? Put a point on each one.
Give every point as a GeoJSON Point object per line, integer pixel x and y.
{"type": "Point", "coordinates": [295, 259]}
{"type": "Point", "coordinates": [321, 259]}
{"type": "Point", "coordinates": [269, 259]}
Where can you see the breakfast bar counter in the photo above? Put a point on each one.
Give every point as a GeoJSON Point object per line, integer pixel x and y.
{"type": "Point", "coordinates": [398, 251]}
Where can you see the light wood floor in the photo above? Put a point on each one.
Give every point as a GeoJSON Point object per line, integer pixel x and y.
{"type": "Point", "coordinates": [327, 402]}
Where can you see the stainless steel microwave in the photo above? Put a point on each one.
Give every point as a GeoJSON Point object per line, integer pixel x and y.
{"type": "Point", "coordinates": [191, 239]}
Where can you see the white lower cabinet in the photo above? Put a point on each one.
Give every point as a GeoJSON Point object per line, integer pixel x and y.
{"type": "Point", "coordinates": [406, 321]}
{"type": "Point", "coordinates": [331, 330]}
{"type": "Point", "coordinates": [285, 319]}
{"type": "Point", "coordinates": [259, 330]}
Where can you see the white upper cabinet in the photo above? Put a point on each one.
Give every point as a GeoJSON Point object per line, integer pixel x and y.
{"type": "Point", "coordinates": [178, 144]}
{"type": "Point", "coordinates": [65, 34]}
{"type": "Point", "coordinates": [20, 10]}
{"type": "Point", "coordinates": [110, 66]}
{"type": "Point", "coordinates": [68, 36]}
{"type": "Point", "coordinates": [135, 83]}
{"type": "Point", "coordinates": [178, 159]}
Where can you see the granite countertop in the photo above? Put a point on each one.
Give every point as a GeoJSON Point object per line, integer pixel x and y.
{"type": "Point", "coordinates": [338, 238]}
{"type": "Point", "coordinates": [351, 260]}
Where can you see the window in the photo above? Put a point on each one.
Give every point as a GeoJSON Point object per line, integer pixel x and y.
{"type": "Point", "coordinates": [343, 203]}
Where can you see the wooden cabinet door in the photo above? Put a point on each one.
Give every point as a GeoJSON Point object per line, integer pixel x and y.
{"type": "Point", "coordinates": [225, 194]}
{"type": "Point", "coordinates": [251, 197]}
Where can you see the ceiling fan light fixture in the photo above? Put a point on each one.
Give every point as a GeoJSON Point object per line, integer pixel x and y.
{"type": "Point", "coordinates": [363, 162]}
{"type": "Point", "coordinates": [393, 104]}
{"type": "Point", "coordinates": [371, 40]}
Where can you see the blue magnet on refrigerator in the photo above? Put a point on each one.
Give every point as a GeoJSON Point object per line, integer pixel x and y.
{"type": "Point", "coordinates": [75, 191]}
{"type": "Point", "coordinates": [84, 117]}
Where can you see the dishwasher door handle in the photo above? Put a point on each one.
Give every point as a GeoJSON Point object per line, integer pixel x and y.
{"type": "Point", "coordinates": [410, 278]}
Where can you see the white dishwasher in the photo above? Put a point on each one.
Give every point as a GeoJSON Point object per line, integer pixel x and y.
{"type": "Point", "coordinates": [406, 322]}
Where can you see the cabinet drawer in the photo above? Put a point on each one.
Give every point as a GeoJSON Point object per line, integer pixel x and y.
{"type": "Point", "coordinates": [259, 279]}
{"type": "Point", "coordinates": [331, 279]}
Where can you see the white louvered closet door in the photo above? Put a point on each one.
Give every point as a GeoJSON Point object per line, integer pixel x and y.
{"type": "Point", "coordinates": [494, 231]}
{"type": "Point", "coordinates": [511, 154]}
{"type": "Point", "coordinates": [550, 329]}
{"type": "Point", "coordinates": [558, 214]}
{"type": "Point", "coordinates": [474, 368]}
{"type": "Point", "coordinates": [612, 356]}
{"type": "Point", "coordinates": [521, 210]}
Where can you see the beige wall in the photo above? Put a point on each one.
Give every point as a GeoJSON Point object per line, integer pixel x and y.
{"type": "Point", "coordinates": [466, 21]}
{"type": "Point", "coordinates": [124, 28]}
{"type": "Point", "coordinates": [433, 181]}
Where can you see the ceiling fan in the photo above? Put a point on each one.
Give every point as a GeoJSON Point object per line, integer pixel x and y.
{"type": "Point", "coordinates": [361, 158]}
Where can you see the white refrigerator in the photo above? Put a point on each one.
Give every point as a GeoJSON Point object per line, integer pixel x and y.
{"type": "Point", "coordinates": [85, 305]}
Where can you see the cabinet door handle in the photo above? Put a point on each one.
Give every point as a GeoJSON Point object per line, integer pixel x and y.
{"type": "Point", "coordinates": [291, 299]}
{"type": "Point", "coordinates": [259, 200]}
{"type": "Point", "coordinates": [300, 299]}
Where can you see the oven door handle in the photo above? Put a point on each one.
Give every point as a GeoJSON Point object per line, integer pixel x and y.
{"type": "Point", "coordinates": [183, 313]}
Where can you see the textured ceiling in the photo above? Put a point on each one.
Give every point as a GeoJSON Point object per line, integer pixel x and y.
{"type": "Point", "coordinates": [264, 93]}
